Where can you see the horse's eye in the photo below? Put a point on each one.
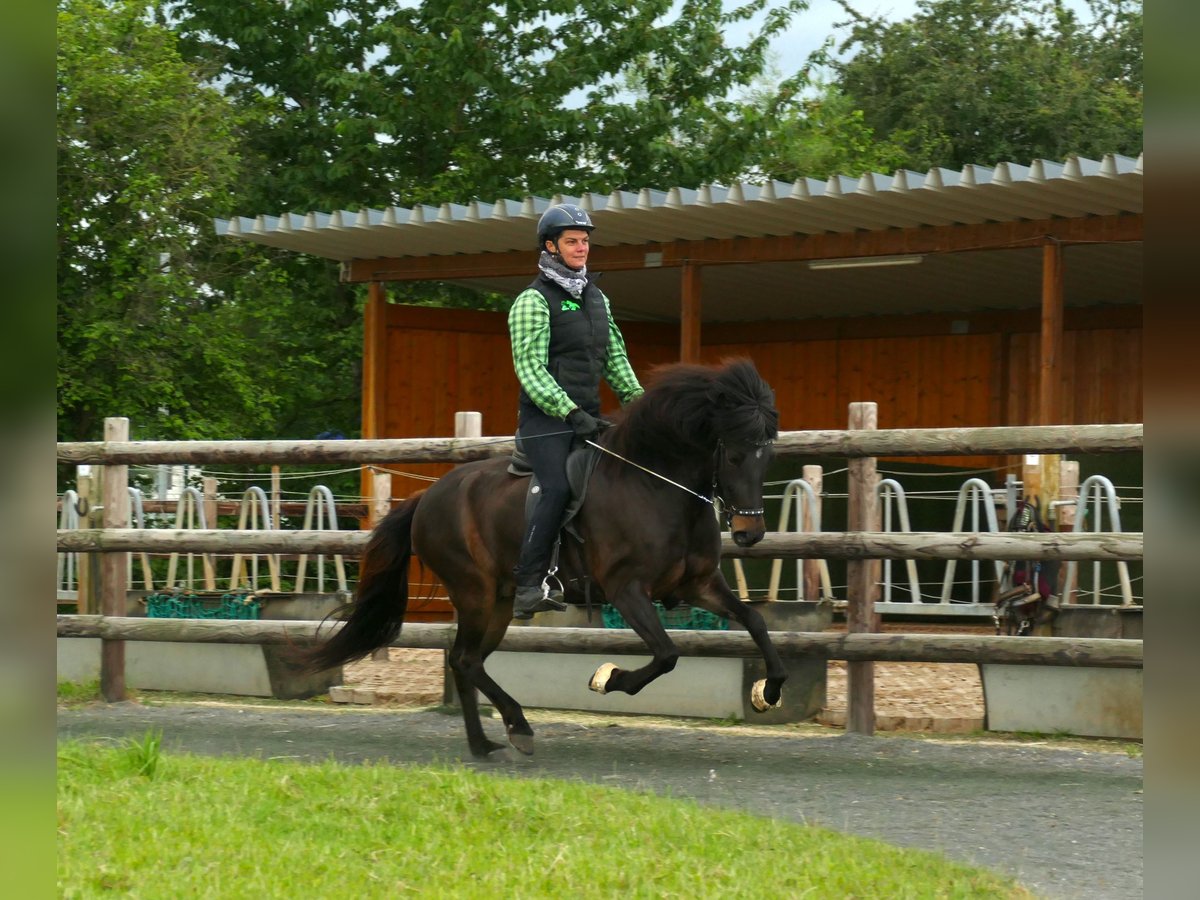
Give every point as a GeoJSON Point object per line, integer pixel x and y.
{"type": "Point", "coordinates": [736, 459]}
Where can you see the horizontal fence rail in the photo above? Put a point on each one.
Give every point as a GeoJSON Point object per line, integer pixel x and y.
{"type": "Point", "coordinates": [825, 545]}
{"type": "Point", "coordinates": [850, 444]}
{"type": "Point", "coordinates": [1091, 652]}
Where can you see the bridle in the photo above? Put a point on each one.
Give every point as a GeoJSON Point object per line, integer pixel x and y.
{"type": "Point", "coordinates": [728, 510]}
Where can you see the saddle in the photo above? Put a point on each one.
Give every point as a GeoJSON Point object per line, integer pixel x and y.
{"type": "Point", "coordinates": [580, 464]}
{"type": "Point", "coordinates": [1028, 589]}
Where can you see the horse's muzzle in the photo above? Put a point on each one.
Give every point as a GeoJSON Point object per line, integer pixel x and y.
{"type": "Point", "coordinates": [747, 530]}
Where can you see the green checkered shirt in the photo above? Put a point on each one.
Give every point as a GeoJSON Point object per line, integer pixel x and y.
{"type": "Point", "coordinates": [529, 328]}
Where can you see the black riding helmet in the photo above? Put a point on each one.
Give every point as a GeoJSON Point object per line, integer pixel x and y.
{"type": "Point", "coordinates": [558, 219]}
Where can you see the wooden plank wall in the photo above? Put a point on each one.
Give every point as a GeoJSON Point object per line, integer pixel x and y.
{"type": "Point", "coordinates": [924, 371]}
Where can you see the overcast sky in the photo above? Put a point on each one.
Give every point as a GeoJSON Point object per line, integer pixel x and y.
{"type": "Point", "coordinates": [810, 28]}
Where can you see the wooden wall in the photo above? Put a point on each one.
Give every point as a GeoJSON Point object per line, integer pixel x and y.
{"type": "Point", "coordinates": [924, 371]}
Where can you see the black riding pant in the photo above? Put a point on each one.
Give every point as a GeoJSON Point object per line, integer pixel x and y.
{"type": "Point", "coordinates": [546, 442]}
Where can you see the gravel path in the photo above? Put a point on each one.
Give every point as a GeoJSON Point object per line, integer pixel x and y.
{"type": "Point", "coordinates": [1065, 822]}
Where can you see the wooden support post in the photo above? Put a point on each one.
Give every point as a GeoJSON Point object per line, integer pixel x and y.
{"type": "Point", "coordinates": [689, 314]}
{"type": "Point", "coordinates": [374, 390]}
{"type": "Point", "coordinates": [1050, 389]}
{"type": "Point", "coordinates": [1041, 473]}
{"type": "Point", "coordinates": [815, 476]}
{"type": "Point", "coordinates": [114, 567]}
{"type": "Point", "coordinates": [861, 577]}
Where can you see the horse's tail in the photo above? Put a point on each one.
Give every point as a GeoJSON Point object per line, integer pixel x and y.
{"type": "Point", "coordinates": [377, 611]}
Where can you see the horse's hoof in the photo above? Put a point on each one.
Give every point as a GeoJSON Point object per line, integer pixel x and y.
{"type": "Point", "coordinates": [523, 743]}
{"type": "Point", "coordinates": [599, 682]}
{"type": "Point", "coordinates": [487, 749]}
{"type": "Point", "coordinates": [758, 697]}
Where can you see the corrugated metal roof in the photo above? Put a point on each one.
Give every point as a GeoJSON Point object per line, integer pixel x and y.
{"type": "Point", "coordinates": [977, 194]}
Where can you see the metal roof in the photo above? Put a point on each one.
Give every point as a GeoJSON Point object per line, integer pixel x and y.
{"type": "Point", "coordinates": [1007, 192]}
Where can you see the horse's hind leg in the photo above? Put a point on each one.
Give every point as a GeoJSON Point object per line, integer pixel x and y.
{"type": "Point", "coordinates": [479, 743]}
{"type": "Point", "coordinates": [480, 630]}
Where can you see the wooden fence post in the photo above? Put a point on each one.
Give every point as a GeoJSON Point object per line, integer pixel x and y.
{"type": "Point", "coordinates": [209, 560]}
{"type": "Point", "coordinates": [1068, 490]}
{"type": "Point", "coordinates": [467, 424]}
{"type": "Point", "coordinates": [380, 506]}
{"type": "Point", "coordinates": [88, 564]}
{"type": "Point", "coordinates": [861, 576]}
{"type": "Point", "coordinates": [114, 567]}
{"type": "Point", "coordinates": [815, 476]}
{"type": "Point", "coordinates": [381, 496]}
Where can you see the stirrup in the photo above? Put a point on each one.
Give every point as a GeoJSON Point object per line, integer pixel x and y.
{"type": "Point", "coordinates": [548, 593]}
{"type": "Point", "coordinates": [545, 601]}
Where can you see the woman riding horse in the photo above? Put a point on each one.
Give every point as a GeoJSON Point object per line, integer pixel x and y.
{"type": "Point", "coordinates": [700, 437]}
{"type": "Point", "coordinates": [564, 340]}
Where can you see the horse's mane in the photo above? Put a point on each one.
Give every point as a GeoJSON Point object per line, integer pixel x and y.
{"type": "Point", "coordinates": [687, 408]}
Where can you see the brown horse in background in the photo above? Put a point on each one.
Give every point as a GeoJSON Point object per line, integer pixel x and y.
{"type": "Point", "coordinates": [707, 429]}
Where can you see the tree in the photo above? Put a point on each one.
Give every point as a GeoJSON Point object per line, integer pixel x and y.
{"type": "Point", "coordinates": [157, 319]}
{"type": "Point", "coordinates": [141, 150]}
{"type": "Point", "coordinates": [981, 81]}
{"type": "Point", "coordinates": [821, 133]}
{"type": "Point", "coordinates": [378, 102]}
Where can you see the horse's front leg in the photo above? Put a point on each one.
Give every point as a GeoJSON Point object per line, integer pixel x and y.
{"type": "Point", "coordinates": [633, 602]}
{"type": "Point", "coordinates": [714, 595]}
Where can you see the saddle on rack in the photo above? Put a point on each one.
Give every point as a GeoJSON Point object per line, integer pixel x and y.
{"type": "Point", "coordinates": [1028, 590]}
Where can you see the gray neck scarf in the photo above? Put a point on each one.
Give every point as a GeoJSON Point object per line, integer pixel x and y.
{"type": "Point", "coordinates": [570, 280]}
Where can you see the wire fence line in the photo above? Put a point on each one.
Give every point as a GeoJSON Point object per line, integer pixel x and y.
{"type": "Point", "coordinates": [276, 480]}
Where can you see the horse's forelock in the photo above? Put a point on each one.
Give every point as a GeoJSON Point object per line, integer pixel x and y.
{"type": "Point", "coordinates": [745, 405]}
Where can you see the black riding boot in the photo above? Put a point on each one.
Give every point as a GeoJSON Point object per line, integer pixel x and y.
{"type": "Point", "coordinates": [536, 598]}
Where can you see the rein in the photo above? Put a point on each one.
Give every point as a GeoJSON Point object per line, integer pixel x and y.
{"type": "Point", "coordinates": [716, 500]}
{"type": "Point", "coordinates": [707, 500]}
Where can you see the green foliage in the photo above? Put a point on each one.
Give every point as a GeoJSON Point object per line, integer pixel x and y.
{"type": "Point", "coordinates": [142, 757]}
{"type": "Point", "coordinates": [379, 102]}
{"type": "Point", "coordinates": [822, 133]}
{"type": "Point", "coordinates": [172, 113]}
{"type": "Point", "coordinates": [142, 148]}
{"type": "Point", "coordinates": [188, 334]}
{"type": "Point", "coordinates": [75, 693]}
{"type": "Point", "coordinates": [280, 829]}
{"type": "Point", "coordinates": [981, 81]}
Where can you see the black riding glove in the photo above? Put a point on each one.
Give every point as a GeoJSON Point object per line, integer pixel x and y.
{"type": "Point", "coordinates": [584, 425]}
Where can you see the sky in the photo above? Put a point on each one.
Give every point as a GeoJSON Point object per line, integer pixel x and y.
{"type": "Point", "coordinates": [809, 29]}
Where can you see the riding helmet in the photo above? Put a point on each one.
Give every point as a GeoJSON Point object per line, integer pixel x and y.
{"type": "Point", "coordinates": [558, 219]}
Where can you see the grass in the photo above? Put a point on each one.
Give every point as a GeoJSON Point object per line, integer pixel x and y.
{"type": "Point", "coordinates": [133, 820]}
{"type": "Point", "coordinates": [77, 693]}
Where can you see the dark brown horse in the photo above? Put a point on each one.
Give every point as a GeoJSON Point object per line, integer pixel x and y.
{"type": "Point", "coordinates": [707, 429]}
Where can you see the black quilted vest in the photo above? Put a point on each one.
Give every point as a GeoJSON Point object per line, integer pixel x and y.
{"type": "Point", "coordinates": [578, 343]}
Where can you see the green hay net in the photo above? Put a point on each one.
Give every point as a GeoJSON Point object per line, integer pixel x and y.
{"type": "Point", "coordinates": [240, 604]}
{"type": "Point", "coordinates": [681, 617]}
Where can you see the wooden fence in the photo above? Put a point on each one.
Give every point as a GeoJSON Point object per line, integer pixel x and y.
{"type": "Point", "coordinates": [863, 547]}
